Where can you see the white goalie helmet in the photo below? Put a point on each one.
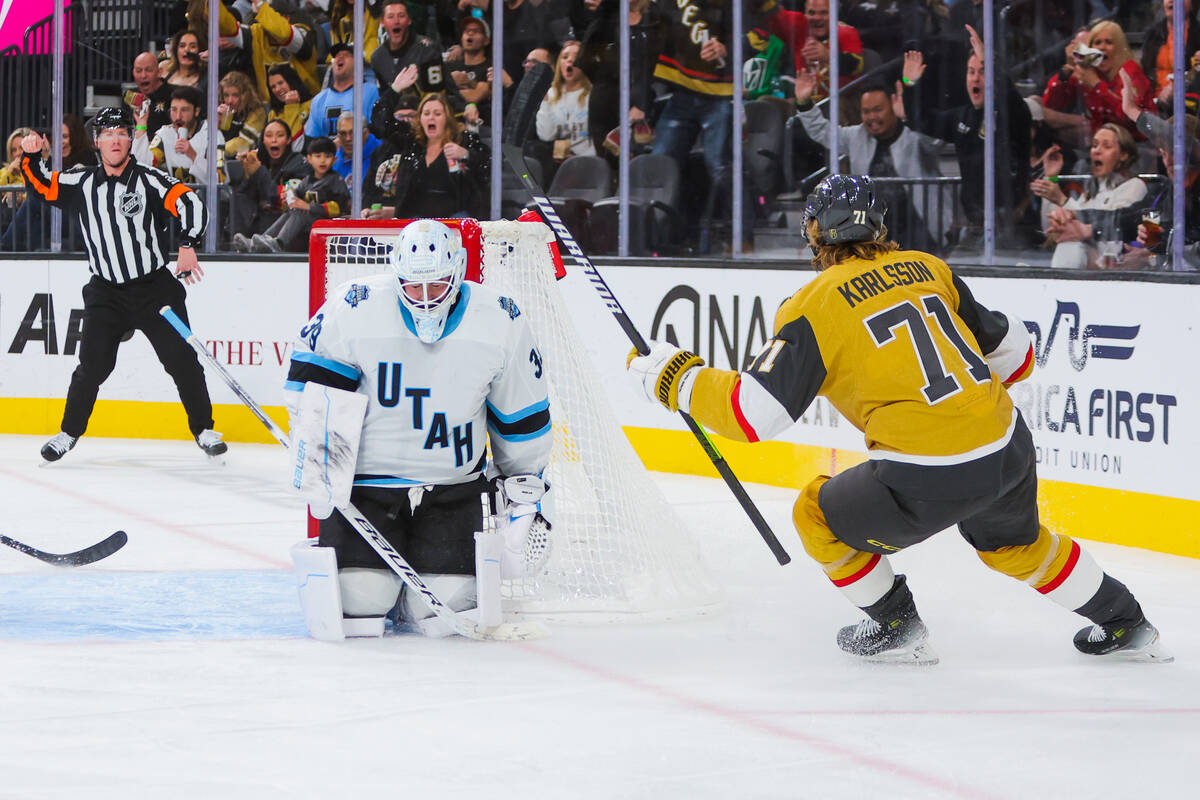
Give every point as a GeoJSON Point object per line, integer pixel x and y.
{"type": "Point", "coordinates": [429, 261]}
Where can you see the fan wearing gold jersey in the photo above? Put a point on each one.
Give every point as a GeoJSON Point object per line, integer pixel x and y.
{"type": "Point", "coordinates": [896, 342]}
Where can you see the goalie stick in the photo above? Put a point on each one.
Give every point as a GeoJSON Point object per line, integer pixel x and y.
{"type": "Point", "coordinates": [513, 156]}
{"type": "Point", "coordinates": [458, 623]}
{"type": "Point", "coordinates": [101, 549]}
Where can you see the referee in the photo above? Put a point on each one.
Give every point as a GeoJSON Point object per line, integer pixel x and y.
{"type": "Point", "coordinates": [125, 211]}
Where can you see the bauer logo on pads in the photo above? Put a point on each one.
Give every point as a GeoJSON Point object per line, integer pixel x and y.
{"type": "Point", "coordinates": [325, 435]}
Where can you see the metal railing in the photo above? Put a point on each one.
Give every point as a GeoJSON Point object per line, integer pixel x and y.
{"type": "Point", "coordinates": [933, 203]}
{"type": "Point", "coordinates": [106, 34]}
{"type": "Point", "coordinates": [28, 230]}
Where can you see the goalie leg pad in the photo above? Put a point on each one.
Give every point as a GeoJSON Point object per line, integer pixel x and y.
{"type": "Point", "coordinates": [323, 449]}
{"type": "Point", "coordinates": [489, 552]}
{"type": "Point", "coordinates": [368, 592]}
{"type": "Point", "coordinates": [456, 591]}
{"type": "Point", "coordinates": [320, 600]}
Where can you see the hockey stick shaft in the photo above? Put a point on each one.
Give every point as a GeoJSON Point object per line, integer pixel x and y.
{"type": "Point", "coordinates": [183, 330]}
{"type": "Point", "coordinates": [517, 163]}
{"type": "Point", "coordinates": [361, 525]}
{"type": "Point", "coordinates": [87, 555]}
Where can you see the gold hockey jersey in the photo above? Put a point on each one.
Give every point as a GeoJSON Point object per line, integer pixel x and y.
{"type": "Point", "coordinates": [899, 346]}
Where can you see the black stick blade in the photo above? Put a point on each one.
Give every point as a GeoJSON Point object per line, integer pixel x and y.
{"type": "Point", "coordinates": [87, 555]}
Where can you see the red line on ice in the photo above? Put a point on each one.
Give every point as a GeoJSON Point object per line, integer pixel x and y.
{"type": "Point", "coordinates": [751, 720]}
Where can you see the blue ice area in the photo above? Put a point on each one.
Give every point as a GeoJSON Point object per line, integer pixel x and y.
{"type": "Point", "coordinates": [150, 606]}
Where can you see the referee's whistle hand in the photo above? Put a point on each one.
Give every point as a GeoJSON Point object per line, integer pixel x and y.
{"type": "Point", "coordinates": [32, 143]}
{"type": "Point", "coordinates": [187, 267]}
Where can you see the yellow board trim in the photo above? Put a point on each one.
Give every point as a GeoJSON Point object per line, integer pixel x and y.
{"type": "Point", "coordinates": [1135, 519]}
{"type": "Point", "coordinates": [136, 419]}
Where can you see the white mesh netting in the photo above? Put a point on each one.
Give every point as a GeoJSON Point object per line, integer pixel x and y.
{"type": "Point", "coordinates": [619, 549]}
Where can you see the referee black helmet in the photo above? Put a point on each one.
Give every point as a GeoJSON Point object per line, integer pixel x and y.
{"type": "Point", "coordinates": [113, 117]}
{"type": "Point", "coordinates": [846, 209]}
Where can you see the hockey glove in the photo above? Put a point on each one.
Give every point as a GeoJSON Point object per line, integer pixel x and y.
{"type": "Point", "coordinates": [666, 374]}
{"type": "Point", "coordinates": [524, 523]}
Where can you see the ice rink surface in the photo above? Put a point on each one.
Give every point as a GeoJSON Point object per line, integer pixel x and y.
{"type": "Point", "coordinates": [179, 668]}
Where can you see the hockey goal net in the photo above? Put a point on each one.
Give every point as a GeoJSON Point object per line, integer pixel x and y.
{"type": "Point", "coordinates": [619, 549]}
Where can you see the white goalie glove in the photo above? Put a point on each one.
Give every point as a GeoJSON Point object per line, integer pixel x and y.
{"type": "Point", "coordinates": [524, 521]}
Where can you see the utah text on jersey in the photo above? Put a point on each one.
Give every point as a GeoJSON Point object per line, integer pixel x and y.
{"type": "Point", "coordinates": [431, 407]}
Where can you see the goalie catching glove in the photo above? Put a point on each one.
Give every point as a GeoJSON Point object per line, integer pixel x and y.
{"type": "Point", "coordinates": [524, 521]}
{"type": "Point", "coordinates": [666, 374]}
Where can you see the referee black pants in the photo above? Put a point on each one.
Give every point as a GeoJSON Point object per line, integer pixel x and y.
{"type": "Point", "coordinates": [109, 312]}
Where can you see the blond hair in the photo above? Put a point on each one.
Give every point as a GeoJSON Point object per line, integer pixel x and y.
{"type": "Point", "coordinates": [827, 255]}
{"type": "Point", "coordinates": [1121, 52]}
{"type": "Point", "coordinates": [559, 83]}
{"type": "Point", "coordinates": [18, 133]}
{"type": "Point", "coordinates": [245, 87]}
{"type": "Point", "coordinates": [1128, 147]}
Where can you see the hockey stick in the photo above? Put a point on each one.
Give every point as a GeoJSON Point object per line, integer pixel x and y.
{"type": "Point", "coordinates": [101, 549]}
{"type": "Point", "coordinates": [458, 623]}
{"type": "Point", "coordinates": [513, 156]}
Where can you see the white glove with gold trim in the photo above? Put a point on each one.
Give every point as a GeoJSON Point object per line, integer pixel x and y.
{"type": "Point", "coordinates": [666, 374]}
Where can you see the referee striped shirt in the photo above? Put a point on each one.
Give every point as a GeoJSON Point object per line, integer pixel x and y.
{"type": "Point", "coordinates": [126, 218]}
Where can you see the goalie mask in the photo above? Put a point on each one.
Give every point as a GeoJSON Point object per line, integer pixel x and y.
{"type": "Point", "coordinates": [429, 261]}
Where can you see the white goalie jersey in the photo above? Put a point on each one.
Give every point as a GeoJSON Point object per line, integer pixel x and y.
{"type": "Point", "coordinates": [430, 407]}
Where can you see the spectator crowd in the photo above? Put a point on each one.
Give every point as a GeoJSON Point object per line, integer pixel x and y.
{"type": "Point", "coordinates": [1082, 131]}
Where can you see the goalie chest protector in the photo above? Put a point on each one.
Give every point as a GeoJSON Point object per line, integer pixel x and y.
{"type": "Point", "coordinates": [430, 406]}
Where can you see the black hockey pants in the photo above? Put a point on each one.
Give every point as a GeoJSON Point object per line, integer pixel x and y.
{"type": "Point", "coordinates": [109, 312]}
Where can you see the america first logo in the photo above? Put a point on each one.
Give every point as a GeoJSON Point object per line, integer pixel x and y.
{"type": "Point", "coordinates": [131, 204]}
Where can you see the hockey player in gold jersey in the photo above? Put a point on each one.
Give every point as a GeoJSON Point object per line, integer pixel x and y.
{"type": "Point", "coordinates": [896, 342]}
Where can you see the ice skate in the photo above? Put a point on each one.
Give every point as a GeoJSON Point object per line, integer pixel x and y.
{"type": "Point", "coordinates": [893, 632]}
{"type": "Point", "coordinates": [57, 447]}
{"type": "Point", "coordinates": [904, 641]}
{"type": "Point", "coordinates": [1138, 642]}
{"type": "Point", "coordinates": [210, 442]}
